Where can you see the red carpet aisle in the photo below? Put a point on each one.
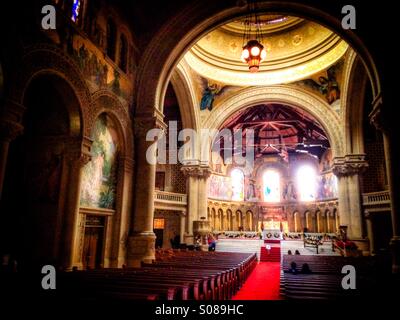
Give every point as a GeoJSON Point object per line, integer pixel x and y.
{"type": "Point", "coordinates": [262, 284]}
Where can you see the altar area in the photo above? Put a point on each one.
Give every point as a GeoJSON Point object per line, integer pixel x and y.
{"type": "Point", "coordinates": [273, 230]}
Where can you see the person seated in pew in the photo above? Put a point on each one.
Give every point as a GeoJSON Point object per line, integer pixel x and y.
{"type": "Point", "coordinates": [305, 268]}
{"type": "Point", "coordinates": [297, 252]}
{"type": "Point", "coordinates": [293, 268]}
{"type": "Point", "coordinates": [289, 252]}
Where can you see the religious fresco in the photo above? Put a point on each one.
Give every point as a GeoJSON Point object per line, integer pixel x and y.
{"type": "Point", "coordinates": [99, 178]}
{"type": "Point", "coordinates": [326, 161]}
{"type": "Point", "coordinates": [210, 91]}
{"type": "Point", "coordinates": [289, 191]}
{"type": "Point", "coordinates": [328, 188]}
{"type": "Point", "coordinates": [327, 84]}
{"type": "Point", "coordinates": [99, 73]}
{"type": "Point", "coordinates": [220, 187]}
{"type": "Point", "coordinates": [237, 181]}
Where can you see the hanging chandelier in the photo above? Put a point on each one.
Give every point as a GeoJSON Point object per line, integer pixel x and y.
{"type": "Point", "coordinates": [253, 52]}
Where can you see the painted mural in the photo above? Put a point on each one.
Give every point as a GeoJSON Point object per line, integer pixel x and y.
{"type": "Point", "coordinates": [328, 188]}
{"type": "Point", "coordinates": [220, 187]}
{"type": "Point", "coordinates": [100, 174]}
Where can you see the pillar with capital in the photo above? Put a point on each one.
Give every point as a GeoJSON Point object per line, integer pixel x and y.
{"type": "Point", "coordinates": [141, 241]}
{"type": "Point", "coordinates": [197, 176]}
{"type": "Point", "coordinates": [382, 119]}
{"type": "Point", "coordinates": [77, 156]}
{"type": "Point", "coordinates": [348, 169]}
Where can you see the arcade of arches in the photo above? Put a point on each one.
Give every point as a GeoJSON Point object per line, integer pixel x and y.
{"type": "Point", "coordinates": [77, 102]}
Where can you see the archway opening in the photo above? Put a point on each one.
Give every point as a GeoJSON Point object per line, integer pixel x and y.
{"type": "Point", "coordinates": [35, 183]}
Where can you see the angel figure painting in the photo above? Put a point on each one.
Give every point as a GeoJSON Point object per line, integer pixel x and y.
{"type": "Point", "coordinates": [326, 85]}
{"type": "Point", "coordinates": [210, 91]}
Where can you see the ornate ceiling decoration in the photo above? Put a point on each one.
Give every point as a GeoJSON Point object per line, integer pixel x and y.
{"type": "Point", "coordinates": [296, 49]}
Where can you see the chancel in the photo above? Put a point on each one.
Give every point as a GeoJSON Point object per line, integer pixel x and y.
{"type": "Point", "coordinates": [102, 178]}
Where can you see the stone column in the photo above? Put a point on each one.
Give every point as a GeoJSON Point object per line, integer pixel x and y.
{"type": "Point", "coordinates": [385, 122]}
{"type": "Point", "coordinates": [122, 218]}
{"type": "Point", "coordinates": [141, 242]}
{"type": "Point", "coordinates": [197, 176]}
{"type": "Point", "coordinates": [8, 132]}
{"type": "Point", "coordinates": [370, 231]}
{"type": "Point", "coordinates": [347, 169]}
{"type": "Point", "coordinates": [183, 226]}
{"type": "Point", "coordinates": [78, 155]}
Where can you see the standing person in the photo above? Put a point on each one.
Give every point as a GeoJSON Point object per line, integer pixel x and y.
{"type": "Point", "coordinates": [211, 243]}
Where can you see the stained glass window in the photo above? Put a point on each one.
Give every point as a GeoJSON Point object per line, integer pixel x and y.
{"type": "Point", "coordinates": [76, 6]}
{"type": "Point", "coordinates": [237, 180]}
{"type": "Point", "coordinates": [307, 183]}
{"type": "Point", "coordinates": [271, 186]}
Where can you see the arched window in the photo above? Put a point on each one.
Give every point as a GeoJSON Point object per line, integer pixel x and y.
{"type": "Point", "coordinates": [237, 178]}
{"type": "Point", "coordinates": [307, 183]}
{"type": "Point", "coordinates": [123, 53]}
{"type": "Point", "coordinates": [111, 37]}
{"type": "Point", "coordinates": [271, 186]}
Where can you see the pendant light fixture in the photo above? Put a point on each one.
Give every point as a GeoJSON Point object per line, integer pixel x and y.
{"type": "Point", "coordinates": [253, 52]}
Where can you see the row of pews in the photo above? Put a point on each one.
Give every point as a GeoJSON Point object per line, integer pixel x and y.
{"type": "Point", "coordinates": [177, 275]}
{"type": "Point", "coordinates": [324, 279]}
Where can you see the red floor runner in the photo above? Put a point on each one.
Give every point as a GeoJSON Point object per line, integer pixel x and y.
{"type": "Point", "coordinates": [262, 284]}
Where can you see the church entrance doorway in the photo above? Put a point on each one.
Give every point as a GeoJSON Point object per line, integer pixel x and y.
{"type": "Point", "coordinates": [93, 244]}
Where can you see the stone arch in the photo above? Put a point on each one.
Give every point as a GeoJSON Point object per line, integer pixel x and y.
{"type": "Point", "coordinates": [220, 219]}
{"type": "Point", "coordinates": [321, 221]}
{"type": "Point", "coordinates": [290, 219]}
{"type": "Point", "coordinates": [104, 101]}
{"type": "Point", "coordinates": [206, 16]}
{"type": "Point", "coordinates": [309, 222]}
{"type": "Point", "coordinates": [297, 222]}
{"type": "Point", "coordinates": [295, 97]}
{"type": "Point", "coordinates": [249, 220]}
{"type": "Point", "coordinates": [239, 219]}
{"type": "Point", "coordinates": [213, 218]}
{"type": "Point", "coordinates": [181, 83]}
{"type": "Point", "coordinates": [336, 219]}
{"type": "Point", "coordinates": [356, 80]}
{"type": "Point", "coordinates": [329, 228]}
{"type": "Point", "coordinates": [229, 218]}
{"type": "Point", "coordinates": [107, 103]}
{"type": "Point", "coordinates": [51, 151]}
{"type": "Point", "coordinates": [44, 60]}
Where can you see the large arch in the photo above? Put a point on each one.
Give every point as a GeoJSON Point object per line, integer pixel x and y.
{"type": "Point", "coordinates": [283, 94]}
{"type": "Point", "coordinates": [208, 15]}
{"type": "Point", "coordinates": [50, 60]}
{"type": "Point", "coordinates": [355, 80]}
{"type": "Point", "coordinates": [50, 150]}
{"type": "Point", "coordinates": [184, 93]}
{"type": "Point", "coordinates": [105, 102]}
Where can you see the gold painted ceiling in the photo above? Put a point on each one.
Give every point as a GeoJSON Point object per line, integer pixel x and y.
{"type": "Point", "coordinates": [296, 49]}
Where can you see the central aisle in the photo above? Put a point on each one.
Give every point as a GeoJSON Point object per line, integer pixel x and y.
{"type": "Point", "coordinates": [262, 284]}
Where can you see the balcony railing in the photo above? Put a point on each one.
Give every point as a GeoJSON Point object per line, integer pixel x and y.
{"type": "Point", "coordinates": [170, 198]}
{"type": "Point", "coordinates": [376, 198]}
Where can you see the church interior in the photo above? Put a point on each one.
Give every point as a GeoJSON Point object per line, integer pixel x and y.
{"type": "Point", "coordinates": [297, 179]}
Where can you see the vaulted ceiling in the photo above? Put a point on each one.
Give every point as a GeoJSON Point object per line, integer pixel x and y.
{"type": "Point", "coordinates": [296, 49]}
{"type": "Point", "coordinates": [279, 128]}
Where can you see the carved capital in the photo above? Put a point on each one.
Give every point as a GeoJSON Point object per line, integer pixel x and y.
{"type": "Point", "coordinates": [13, 111]}
{"type": "Point", "coordinates": [349, 165]}
{"type": "Point", "coordinates": [196, 171]}
{"type": "Point", "coordinates": [9, 130]}
{"type": "Point", "coordinates": [78, 152]}
{"type": "Point", "coordinates": [147, 121]}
